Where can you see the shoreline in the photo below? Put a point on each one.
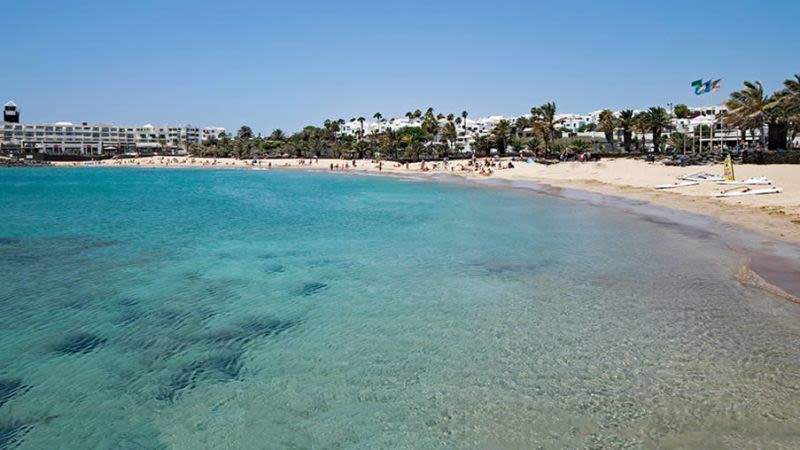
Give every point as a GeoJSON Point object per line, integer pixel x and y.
{"type": "Point", "coordinates": [752, 228]}
{"type": "Point", "coordinates": [776, 215]}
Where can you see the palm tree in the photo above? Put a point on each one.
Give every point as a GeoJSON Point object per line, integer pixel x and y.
{"type": "Point", "coordinates": [244, 133]}
{"type": "Point", "coordinates": [521, 124]}
{"type": "Point", "coordinates": [784, 114]}
{"type": "Point", "coordinates": [641, 127]}
{"type": "Point", "coordinates": [390, 142]}
{"type": "Point", "coordinates": [464, 115]}
{"type": "Point", "coordinates": [657, 119]}
{"type": "Point", "coordinates": [361, 121]}
{"type": "Point", "coordinates": [747, 109]}
{"type": "Point", "coordinates": [379, 118]}
{"type": "Point", "coordinates": [412, 138]}
{"type": "Point", "coordinates": [789, 98]}
{"type": "Point", "coordinates": [545, 118]}
{"type": "Point", "coordinates": [500, 133]}
{"type": "Point", "coordinates": [607, 123]}
{"type": "Point", "coordinates": [678, 140]}
{"type": "Point", "coordinates": [626, 122]}
{"type": "Point", "coordinates": [430, 125]}
{"type": "Point", "coordinates": [450, 133]}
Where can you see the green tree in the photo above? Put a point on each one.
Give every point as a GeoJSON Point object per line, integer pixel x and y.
{"type": "Point", "coordinates": [412, 141]}
{"type": "Point", "coordinates": [681, 111]}
{"type": "Point", "coordinates": [449, 133]}
{"type": "Point", "coordinates": [747, 109]}
{"type": "Point", "coordinates": [678, 141]}
{"type": "Point", "coordinates": [430, 124]}
{"type": "Point", "coordinates": [277, 135]}
{"type": "Point", "coordinates": [626, 122]}
{"type": "Point", "coordinates": [607, 123]}
{"type": "Point", "coordinates": [544, 118]}
{"type": "Point", "coordinates": [534, 143]}
{"type": "Point", "coordinates": [641, 126]}
{"type": "Point", "coordinates": [361, 122]}
{"type": "Point", "coordinates": [481, 145]}
{"type": "Point", "coordinates": [390, 143]}
{"type": "Point", "coordinates": [501, 133]}
{"type": "Point", "coordinates": [657, 120]}
{"type": "Point", "coordinates": [520, 125]}
{"type": "Point", "coordinates": [245, 132]}
{"type": "Point", "coordinates": [787, 101]}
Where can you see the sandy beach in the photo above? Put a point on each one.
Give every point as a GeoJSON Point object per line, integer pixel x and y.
{"type": "Point", "coordinates": [775, 215]}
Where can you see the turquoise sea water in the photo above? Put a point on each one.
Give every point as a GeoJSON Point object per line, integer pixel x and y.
{"type": "Point", "coordinates": [246, 309]}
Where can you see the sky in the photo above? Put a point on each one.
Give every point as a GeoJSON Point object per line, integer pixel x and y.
{"type": "Point", "coordinates": [287, 64]}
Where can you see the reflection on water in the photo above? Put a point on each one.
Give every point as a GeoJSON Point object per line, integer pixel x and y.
{"type": "Point", "coordinates": [284, 310]}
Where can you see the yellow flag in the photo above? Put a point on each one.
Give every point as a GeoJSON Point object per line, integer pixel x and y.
{"type": "Point", "coordinates": [728, 171]}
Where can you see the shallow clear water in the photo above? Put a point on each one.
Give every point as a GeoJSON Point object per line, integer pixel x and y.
{"type": "Point", "coordinates": [243, 309]}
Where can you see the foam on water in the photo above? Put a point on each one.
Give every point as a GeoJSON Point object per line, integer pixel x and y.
{"type": "Point", "coordinates": [213, 309]}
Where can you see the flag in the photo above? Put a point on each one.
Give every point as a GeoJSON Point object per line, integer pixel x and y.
{"type": "Point", "coordinates": [703, 87]}
{"type": "Point", "coordinates": [697, 85]}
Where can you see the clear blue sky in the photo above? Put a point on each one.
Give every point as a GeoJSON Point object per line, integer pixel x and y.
{"type": "Point", "coordinates": [286, 64]}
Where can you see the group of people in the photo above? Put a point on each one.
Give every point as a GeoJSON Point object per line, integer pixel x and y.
{"type": "Point", "coordinates": [345, 165]}
{"type": "Point", "coordinates": [485, 166]}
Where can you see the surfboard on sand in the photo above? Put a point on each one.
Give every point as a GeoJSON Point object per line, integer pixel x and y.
{"type": "Point", "coordinates": [740, 192]}
{"type": "Point", "coordinates": [676, 185]}
{"type": "Point", "coordinates": [754, 181]}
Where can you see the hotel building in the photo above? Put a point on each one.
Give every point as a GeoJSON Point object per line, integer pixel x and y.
{"type": "Point", "coordinates": [84, 139]}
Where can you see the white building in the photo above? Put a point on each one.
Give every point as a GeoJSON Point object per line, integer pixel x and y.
{"type": "Point", "coordinates": [467, 130]}
{"type": "Point", "coordinates": [211, 132]}
{"type": "Point", "coordinates": [574, 122]}
{"type": "Point", "coordinates": [69, 138]}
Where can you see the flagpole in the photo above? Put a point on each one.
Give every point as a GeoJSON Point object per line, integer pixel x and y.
{"type": "Point", "coordinates": [713, 120]}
